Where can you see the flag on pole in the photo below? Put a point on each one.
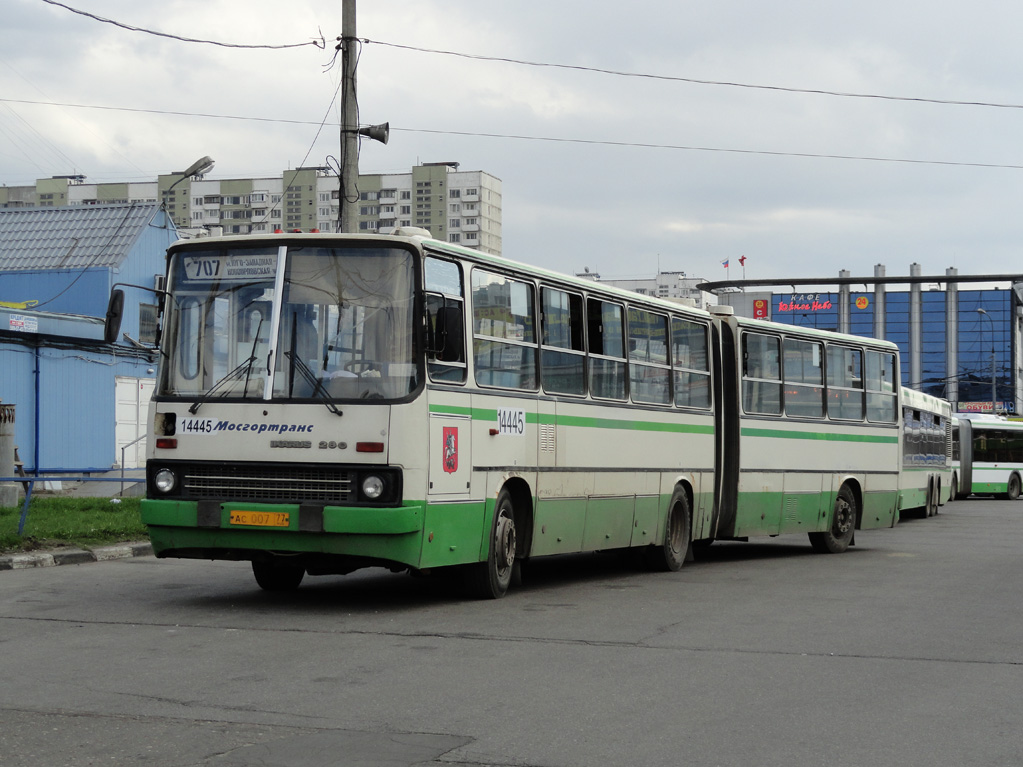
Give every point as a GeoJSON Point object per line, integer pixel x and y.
{"type": "Point", "coordinates": [742, 260]}
{"type": "Point", "coordinates": [725, 263]}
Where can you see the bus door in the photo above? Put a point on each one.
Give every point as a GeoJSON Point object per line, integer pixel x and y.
{"type": "Point", "coordinates": [726, 428]}
{"type": "Point", "coordinates": [965, 457]}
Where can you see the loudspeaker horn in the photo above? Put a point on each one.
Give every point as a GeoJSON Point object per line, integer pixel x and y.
{"type": "Point", "coordinates": [377, 132]}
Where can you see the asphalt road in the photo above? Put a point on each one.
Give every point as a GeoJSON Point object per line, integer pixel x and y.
{"type": "Point", "coordinates": [907, 650]}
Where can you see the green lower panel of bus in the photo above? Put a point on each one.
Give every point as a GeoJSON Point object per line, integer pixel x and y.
{"type": "Point", "coordinates": [415, 534]}
{"type": "Point", "coordinates": [995, 488]}
{"type": "Point", "coordinates": [766, 513]}
{"type": "Point", "coordinates": [780, 513]}
{"type": "Point", "coordinates": [915, 498]}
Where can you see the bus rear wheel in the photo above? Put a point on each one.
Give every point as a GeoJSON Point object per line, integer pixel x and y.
{"type": "Point", "coordinates": [843, 525]}
{"type": "Point", "coordinates": [672, 554]}
{"type": "Point", "coordinates": [1014, 487]}
{"type": "Point", "coordinates": [931, 507]}
{"type": "Point", "coordinates": [276, 576]}
{"type": "Point", "coordinates": [490, 579]}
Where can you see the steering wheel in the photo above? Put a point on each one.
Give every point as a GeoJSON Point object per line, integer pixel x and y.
{"type": "Point", "coordinates": [362, 366]}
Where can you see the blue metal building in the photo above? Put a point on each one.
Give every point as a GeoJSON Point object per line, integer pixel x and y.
{"type": "Point", "coordinates": [79, 400]}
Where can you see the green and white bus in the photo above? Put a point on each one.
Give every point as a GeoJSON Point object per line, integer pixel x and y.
{"type": "Point", "coordinates": [331, 402]}
{"type": "Point", "coordinates": [990, 456]}
{"type": "Point", "coordinates": [927, 474]}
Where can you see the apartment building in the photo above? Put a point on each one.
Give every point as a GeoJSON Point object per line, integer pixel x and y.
{"type": "Point", "coordinates": [456, 206]}
{"type": "Point", "coordinates": [674, 286]}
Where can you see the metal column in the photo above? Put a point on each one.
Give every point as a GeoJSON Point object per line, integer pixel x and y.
{"type": "Point", "coordinates": [880, 327]}
{"type": "Point", "coordinates": [952, 338]}
{"type": "Point", "coordinates": [915, 328]}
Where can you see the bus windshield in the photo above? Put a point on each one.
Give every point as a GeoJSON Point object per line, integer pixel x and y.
{"type": "Point", "coordinates": [305, 322]}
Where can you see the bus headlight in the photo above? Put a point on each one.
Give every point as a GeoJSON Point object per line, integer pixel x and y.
{"type": "Point", "coordinates": [372, 487]}
{"type": "Point", "coordinates": [165, 481]}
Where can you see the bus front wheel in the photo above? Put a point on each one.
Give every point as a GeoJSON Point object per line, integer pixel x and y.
{"type": "Point", "coordinates": [843, 525]}
{"type": "Point", "coordinates": [673, 553]}
{"type": "Point", "coordinates": [274, 576]}
{"type": "Point", "coordinates": [490, 579]}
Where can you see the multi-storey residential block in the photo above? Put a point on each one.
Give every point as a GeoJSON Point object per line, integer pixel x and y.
{"type": "Point", "coordinates": [675, 286]}
{"type": "Point", "coordinates": [456, 206]}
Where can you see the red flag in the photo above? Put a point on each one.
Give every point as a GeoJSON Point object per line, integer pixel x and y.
{"type": "Point", "coordinates": [742, 260]}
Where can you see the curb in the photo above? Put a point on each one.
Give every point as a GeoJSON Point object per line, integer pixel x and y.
{"type": "Point", "coordinates": [75, 556]}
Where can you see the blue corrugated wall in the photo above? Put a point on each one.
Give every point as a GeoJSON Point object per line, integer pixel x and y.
{"type": "Point", "coordinates": [76, 405]}
{"type": "Point", "coordinates": [76, 398]}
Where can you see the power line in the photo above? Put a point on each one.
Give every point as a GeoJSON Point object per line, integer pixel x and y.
{"type": "Point", "coordinates": [321, 43]}
{"type": "Point", "coordinates": [553, 139]}
{"type": "Point", "coordinates": [692, 80]}
{"type": "Point", "coordinates": [681, 147]}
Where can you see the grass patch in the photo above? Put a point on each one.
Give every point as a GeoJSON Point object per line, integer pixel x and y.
{"type": "Point", "coordinates": [79, 522]}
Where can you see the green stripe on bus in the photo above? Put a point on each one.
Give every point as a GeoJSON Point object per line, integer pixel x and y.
{"type": "Point", "coordinates": [813, 435]}
{"type": "Point", "coordinates": [450, 410]}
{"type": "Point", "coordinates": [610, 423]}
{"type": "Point", "coordinates": [585, 422]}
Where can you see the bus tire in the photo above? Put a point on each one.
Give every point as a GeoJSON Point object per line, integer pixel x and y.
{"type": "Point", "coordinates": [930, 509]}
{"type": "Point", "coordinates": [674, 551]}
{"type": "Point", "coordinates": [953, 490]}
{"type": "Point", "coordinates": [1013, 490]}
{"type": "Point", "coordinates": [275, 576]}
{"type": "Point", "coordinates": [490, 579]}
{"type": "Point", "coordinates": [843, 525]}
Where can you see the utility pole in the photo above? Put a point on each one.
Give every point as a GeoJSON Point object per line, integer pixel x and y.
{"type": "Point", "coordinates": [349, 120]}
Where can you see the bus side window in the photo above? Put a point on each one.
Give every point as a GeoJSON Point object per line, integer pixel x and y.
{"type": "Point", "coordinates": [881, 405]}
{"type": "Point", "coordinates": [690, 360]}
{"type": "Point", "coordinates": [845, 383]}
{"type": "Point", "coordinates": [445, 339]}
{"type": "Point", "coordinates": [761, 379]}
{"type": "Point", "coordinates": [649, 375]}
{"type": "Point", "coordinates": [804, 378]}
{"type": "Point", "coordinates": [504, 348]}
{"type": "Point", "coordinates": [606, 325]}
{"type": "Point", "coordinates": [445, 326]}
{"type": "Point", "coordinates": [562, 354]}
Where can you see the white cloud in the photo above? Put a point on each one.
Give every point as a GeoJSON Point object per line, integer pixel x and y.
{"type": "Point", "coordinates": [569, 205]}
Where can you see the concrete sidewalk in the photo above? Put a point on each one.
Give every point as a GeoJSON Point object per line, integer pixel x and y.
{"type": "Point", "coordinates": [105, 485]}
{"type": "Point", "coordinates": [70, 556]}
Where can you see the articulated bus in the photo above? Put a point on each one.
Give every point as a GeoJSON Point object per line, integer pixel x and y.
{"type": "Point", "coordinates": [926, 478]}
{"type": "Point", "coordinates": [331, 402]}
{"type": "Point", "coordinates": [990, 456]}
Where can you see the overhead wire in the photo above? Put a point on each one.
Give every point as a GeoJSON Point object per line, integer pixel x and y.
{"type": "Point", "coordinates": [321, 43]}
{"type": "Point", "coordinates": [554, 139]}
{"type": "Point", "coordinates": [693, 80]}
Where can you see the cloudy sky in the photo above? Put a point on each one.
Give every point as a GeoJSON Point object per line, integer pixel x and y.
{"type": "Point", "coordinates": [620, 174]}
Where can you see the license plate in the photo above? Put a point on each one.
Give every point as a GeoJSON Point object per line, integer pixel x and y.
{"type": "Point", "coordinates": [260, 518]}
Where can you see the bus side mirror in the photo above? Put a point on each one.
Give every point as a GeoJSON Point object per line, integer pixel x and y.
{"type": "Point", "coordinates": [115, 310]}
{"type": "Point", "coordinates": [450, 336]}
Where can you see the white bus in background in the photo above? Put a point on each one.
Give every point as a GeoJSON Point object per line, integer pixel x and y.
{"type": "Point", "coordinates": [926, 476]}
{"type": "Point", "coordinates": [990, 456]}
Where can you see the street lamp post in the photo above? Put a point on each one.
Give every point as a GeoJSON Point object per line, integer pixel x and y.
{"type": "Point", "coordinates": [994, 397]}
{"type": "Point", "coordinates": [197, 168]}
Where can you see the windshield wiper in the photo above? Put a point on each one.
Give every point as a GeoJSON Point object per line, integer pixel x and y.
{"type": "Point", "coordinates": [310, 377]}
{"type": "Point", "coordinates": [245, 367]}
{"type": "Point", "coordinates": [242, 369]}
